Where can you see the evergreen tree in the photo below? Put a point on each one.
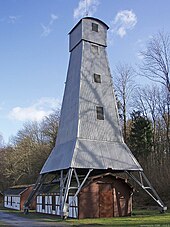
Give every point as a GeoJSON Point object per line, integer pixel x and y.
{"type": "Point", "coordinates": [140, 137]}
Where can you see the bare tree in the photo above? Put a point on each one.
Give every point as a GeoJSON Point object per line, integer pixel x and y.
{"type": "Point", "coordinates": [146, 101]}
{"type": "Point", "coordinates": [164, 110]}
{"type": "Point", "coordinates": [124, 85]}
{"type": "Point", "coordinates": [152, 102]}
{"type": "Point", "coordinates": [156, 59]}
{"type": "Point", "coordinates": [50, 126]}
{"type": "Point", "coordinates": [29, 150]}
{"type": "Point", "coordinates": [156, 65]}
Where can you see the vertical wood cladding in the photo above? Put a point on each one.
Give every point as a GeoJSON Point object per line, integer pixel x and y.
{"type": "Point", "coordinates": [105, 197]}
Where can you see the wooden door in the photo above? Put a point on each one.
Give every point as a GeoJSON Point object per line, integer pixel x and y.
{"type": "Point", "coordinates": [106, 200]}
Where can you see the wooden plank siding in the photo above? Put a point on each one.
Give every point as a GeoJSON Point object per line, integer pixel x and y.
{"type": "Point", "coordinates": [105, 197]}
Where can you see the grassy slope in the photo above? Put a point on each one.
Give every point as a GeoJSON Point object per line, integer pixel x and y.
{"type": "Point", "coordinates": [139, 218]}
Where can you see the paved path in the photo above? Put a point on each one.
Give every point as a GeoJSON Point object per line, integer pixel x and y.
{"type": "Point", "coordinates": [14, 220]}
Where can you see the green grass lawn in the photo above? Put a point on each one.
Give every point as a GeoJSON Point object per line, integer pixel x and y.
{"type": "Point", "coordinates": [140, 218]}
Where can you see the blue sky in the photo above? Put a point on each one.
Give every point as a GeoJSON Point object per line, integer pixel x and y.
{"type": "Point", "coordinates": [34, 48]}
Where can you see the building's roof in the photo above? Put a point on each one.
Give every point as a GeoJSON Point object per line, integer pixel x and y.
{"type": "Point", "coordinates": [16, 190]}
{"type": "Point", "coordinates": [97, 177]}
{"type": "Point", "coordinates": [88, 154]}
{"type": "Point", "coordinates": [93, 18]}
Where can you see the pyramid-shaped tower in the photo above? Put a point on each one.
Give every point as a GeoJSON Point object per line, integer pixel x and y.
{"type": "Point", "coordinates": [89, 138]}
{"type": "Point", "coordinates": [89, 133]}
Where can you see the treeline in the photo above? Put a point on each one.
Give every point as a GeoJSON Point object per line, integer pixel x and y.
{"type": "Point", "coordinates": [22, 160]}
{"type": "Point", "coordinates": [145, 110]}
{"type": "Point", "coordinates": [144, 113]}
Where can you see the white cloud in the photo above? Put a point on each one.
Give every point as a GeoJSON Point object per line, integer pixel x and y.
{"type": "Point", "coordinates": [10, 19]}
{"type": "Point", "coordinates": [13, 19]}
{"type": "Point", "coordinates": [47, 29]}
{"type": "Point", "coordinates": [28, 113]}
{"type": "Point", "coordinates": [123, 21]}
{"type": "Point", "coordinates": [86, 7]}
{"type": "Point", "coordinates": [36, 111]}
{"type": "Point", "coordinates": [53, 18]}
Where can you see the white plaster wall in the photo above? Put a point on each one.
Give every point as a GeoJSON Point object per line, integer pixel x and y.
{"type": "Point", "coordinates": [15, 202]}
{"type": "Point", "coordinates": [73, 210]}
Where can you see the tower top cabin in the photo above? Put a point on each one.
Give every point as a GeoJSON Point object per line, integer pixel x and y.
{"type": "Point", "coordinates": [88, 29]}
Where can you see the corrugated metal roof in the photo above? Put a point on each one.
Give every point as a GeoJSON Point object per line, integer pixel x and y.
{"type": "Point", "coordinates": [91, 154]}
{"type": "Point", "coordinates": [91, 18]}
{"type": "Point", "coordinates": [83, 141]}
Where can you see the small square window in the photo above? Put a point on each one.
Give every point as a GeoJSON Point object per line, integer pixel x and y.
{"type": "Point", "coordinates": [94, 49]}
{"type": "Point", "coordinates": [97, 78]}
{"type": "Point", "coordinates": [94, 27]}
{"type": "Point", "coordinates": [100, 112]}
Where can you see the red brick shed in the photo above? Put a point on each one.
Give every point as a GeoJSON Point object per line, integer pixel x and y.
{"type": "Point", "coordinates": [105, 196]}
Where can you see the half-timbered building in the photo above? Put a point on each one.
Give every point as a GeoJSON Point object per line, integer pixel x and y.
{"type": "Point", "coordinates": [14, 197]}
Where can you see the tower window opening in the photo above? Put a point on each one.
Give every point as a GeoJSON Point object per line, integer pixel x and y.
{"type": "Point", "coordinates": [100, 112]}
{"type": "Point", "coordinates": [97, 78]}
{"type": "Point", "coordinates": [94, 27]}
{"type": "Point", "coordinates": [94, 49]}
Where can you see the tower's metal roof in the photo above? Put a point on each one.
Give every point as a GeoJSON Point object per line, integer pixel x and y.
{"type": "Point", "coordinates": [91, 18]}
{"type": "Point", "coordinates": [83, 141]}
